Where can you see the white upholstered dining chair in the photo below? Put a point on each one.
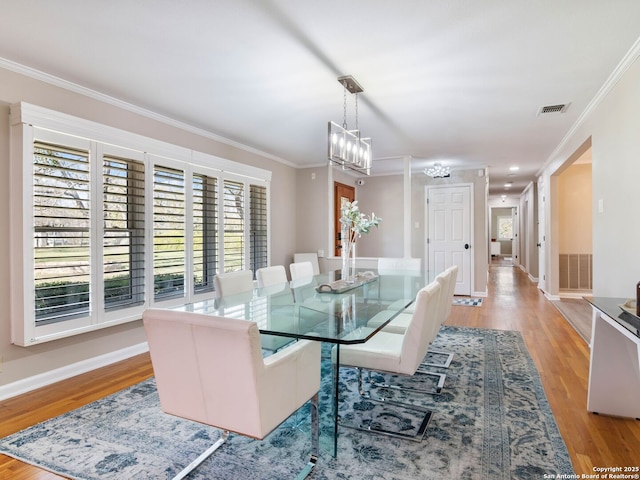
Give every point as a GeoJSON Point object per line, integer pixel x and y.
{"type": "Point", "coordinates": [308, 257]}
{"type": "Point", "coordinates": [442, 309]}
{"type": "Point", "coordinates": [399, 354]}
{"type": "Point", "coordinates": [236, 288]}
{"type": "Point", "coordinates": [230, 283]}
{"type": "Point", "coordinates": [301, 270]}
{"type": "Point", "coordinates": [269, 276]}
{"type": "Point", "coordinates": [209, 369]}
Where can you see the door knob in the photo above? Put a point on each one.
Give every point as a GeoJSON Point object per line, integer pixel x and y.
{"type": "Point", "coordinates": [539, 244]}
{"type": "Point", "coordinates": [467, 246]}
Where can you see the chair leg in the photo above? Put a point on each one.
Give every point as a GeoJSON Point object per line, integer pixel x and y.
{"type": "Point", "coordinates": [418, 437]}
{"type": "Point", "coordinates": [440, 376]}
{"type": "Point", "coordinates": [445, 364]}
{"type": "Point", "coordinates": [315, 440]}
{"type": "Point", "coordinates": [193, 465]}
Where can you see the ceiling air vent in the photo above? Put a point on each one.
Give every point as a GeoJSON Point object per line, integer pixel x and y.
{"type": "Point", "coordinates": [561, 108]}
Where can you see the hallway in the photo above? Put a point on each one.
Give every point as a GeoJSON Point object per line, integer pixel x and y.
{"type": "Point", "coordinates": [562, 358]}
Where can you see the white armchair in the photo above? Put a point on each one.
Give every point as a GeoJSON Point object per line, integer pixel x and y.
{"type": "Point", "coordinates": [210, 370]}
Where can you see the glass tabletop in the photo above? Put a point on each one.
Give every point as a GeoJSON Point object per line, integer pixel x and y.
{"type": "Point", "coordinates": [613, 308]}
{"type": "Point", "coordinates": [308, 308]}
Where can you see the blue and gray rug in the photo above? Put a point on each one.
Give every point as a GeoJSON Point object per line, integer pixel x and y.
{"type": "Point", "coordinates": [492, 421]}
{"type": "Point", "coordinates": [467, 302]}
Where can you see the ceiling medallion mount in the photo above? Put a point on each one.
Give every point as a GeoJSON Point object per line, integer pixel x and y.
{"type": "Point", "coordinates": [347, 148]}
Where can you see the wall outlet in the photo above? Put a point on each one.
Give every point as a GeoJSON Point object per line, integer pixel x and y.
{"type": "Point", "coordinates": [320, 253]}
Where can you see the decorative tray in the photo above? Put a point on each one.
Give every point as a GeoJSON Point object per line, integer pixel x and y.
{"type": "Point", "coordinates": [629, 306]}
{"type": "Point", "coordinates": [341, 286]}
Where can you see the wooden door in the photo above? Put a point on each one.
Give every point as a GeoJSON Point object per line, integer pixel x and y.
{"type": "Point", "coordinates": [341, 194]}
{"type": "Point", "coordinates": [449, 238]}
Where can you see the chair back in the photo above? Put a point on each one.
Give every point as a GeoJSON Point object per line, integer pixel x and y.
{"type": "Point", "coordinates": [453, 279]}
{"type": "Point", "coordinates": [422, 329]}
{"type": "Point", "coordinates": [308, 257]}
{"type": "Point", "coordinates": [233, 282]}
{"type": "Point", "coordinates": [388, 265]}
{"type": "Point", "coordinates": [301, 270]}
{"type": "Point", "coordinates": [444, 279]}
{"type": "Point", "coordinates": [207, 368]}
{"type": "Point", "coordinates": [269, 276]}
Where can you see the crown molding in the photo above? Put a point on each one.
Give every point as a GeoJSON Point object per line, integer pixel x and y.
{"type": "Point", "coordinates": [622, 67]}
{"type": "Point", "coordinates": [87, 92]}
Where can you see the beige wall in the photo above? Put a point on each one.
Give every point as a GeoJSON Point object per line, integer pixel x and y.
{"type": "Point", "coordinates": [613, 126]}
{"type": "Point", "coordinates": [574, 209]}
{"type": "Point", "coordinates": [19, 362]}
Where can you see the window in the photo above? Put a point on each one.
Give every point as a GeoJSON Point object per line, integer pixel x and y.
{"type": "Point", "coordinates": [505, 228]}
{"type": "Point", "coordinates": [106, 223]}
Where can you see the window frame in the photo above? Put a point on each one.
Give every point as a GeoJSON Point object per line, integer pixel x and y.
{"type": "Point", "coordinates": [29, 123]}
{"type": "Point", "coordinates": [499, 219]}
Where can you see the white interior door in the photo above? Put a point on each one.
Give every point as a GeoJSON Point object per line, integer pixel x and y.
{"type": "Point", "coordinates": [449, 235]}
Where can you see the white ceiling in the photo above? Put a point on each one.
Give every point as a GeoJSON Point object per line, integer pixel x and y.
{"type": "Point", "coordinates": [455, 81]}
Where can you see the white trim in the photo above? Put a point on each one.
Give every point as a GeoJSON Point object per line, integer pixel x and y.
{"type": "Point", "coordinates": [550, 297]}
{"type": "Point", "coordinates": [480, 294]}
{"type": "Point", "coordinates": [29, 122]}
{"type": "Point", "coordinates": [52, 376]}
{"type": "Point", "coordinates": [46, 119]}
{"type": "Point", "coordinates": [471, 186]}
{"type": "Point", "coordinates": [74, 87]}
{"type": "Point", "coordinates": [608, 85]}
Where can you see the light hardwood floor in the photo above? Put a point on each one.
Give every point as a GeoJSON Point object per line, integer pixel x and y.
{"type": "Point", "coordinates": [513, 303]}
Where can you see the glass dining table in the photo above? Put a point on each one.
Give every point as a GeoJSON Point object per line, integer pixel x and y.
{"type": "Point", "coordinates": [322, 308]}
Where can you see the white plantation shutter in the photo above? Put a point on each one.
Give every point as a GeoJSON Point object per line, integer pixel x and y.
{"type": "Point", "coordinates": [234, 226]}
{"type": "Point", "coordinates": [61, 231]}
{"type": "Point", "coordinates": [100, 228]}
{"type": "Point", "coordinates": [258, 251]}
{"type": "Point", "coordinates": [205, 231]}
{"type": "Point", "coordinates": [124, 234]}
{"type": "Point", "coordinates": [168, 232]}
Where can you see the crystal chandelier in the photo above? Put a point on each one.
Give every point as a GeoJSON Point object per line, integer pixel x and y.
{"type": "Point", "coordinates": [438, 171]}
{"type": "Point", "coordinates": [346, 147]}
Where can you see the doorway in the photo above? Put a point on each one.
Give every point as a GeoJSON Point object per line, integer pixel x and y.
{"type": "Point", "coordinates": [341, 194]}
{"type": "Point", "coordinates": [449, 236]}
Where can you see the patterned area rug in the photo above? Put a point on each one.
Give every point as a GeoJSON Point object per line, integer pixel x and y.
{"type": "Point", "coordinates": [492, 421]}
{"type": "Point", "coordinates": [467, 302]}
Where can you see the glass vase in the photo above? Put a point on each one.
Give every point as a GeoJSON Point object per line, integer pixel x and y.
{"type": "Point", "coordinates": [348, 272]}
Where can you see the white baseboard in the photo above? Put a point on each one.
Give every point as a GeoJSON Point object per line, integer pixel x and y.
{"type": "Point", "coordinates": [551, 298]}
{"type": "Point", "coordinates": [42, 380]}
{"type": "Point", "coordinates": [480, 294]}
{"type": "Point", "coordinates": [577, 295]}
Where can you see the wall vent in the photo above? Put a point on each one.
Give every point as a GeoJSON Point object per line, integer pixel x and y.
{"type": "Point", "coordinates": [576, 271]}
{"type": "Point", "coordinates": [560, 108]}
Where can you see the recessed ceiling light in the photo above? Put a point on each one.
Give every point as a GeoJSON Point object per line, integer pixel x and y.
{"type": "Point", "coordinates": [508, 185]}
{"type": "Point", "coordinates": [514, 168]}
